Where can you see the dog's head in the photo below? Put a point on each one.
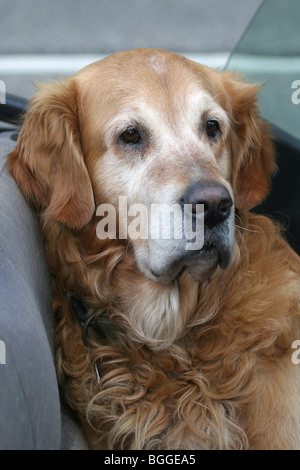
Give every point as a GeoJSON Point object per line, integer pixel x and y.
{"type": "Point", "coordinates": [155, 137]}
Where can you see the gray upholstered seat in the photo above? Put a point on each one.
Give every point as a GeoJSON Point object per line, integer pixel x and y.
{"type": "Point", "coordinates": [30, 410]}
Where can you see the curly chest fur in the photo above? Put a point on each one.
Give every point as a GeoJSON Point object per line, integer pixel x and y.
{"type": "Point", "coordinates": [155, 401]}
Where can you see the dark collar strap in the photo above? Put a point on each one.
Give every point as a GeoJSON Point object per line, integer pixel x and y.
{"type": "Point", "coordinates": [80, 309]}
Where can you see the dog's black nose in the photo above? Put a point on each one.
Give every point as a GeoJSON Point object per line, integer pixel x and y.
{"type": "Point", "coordinates": [215, 198]}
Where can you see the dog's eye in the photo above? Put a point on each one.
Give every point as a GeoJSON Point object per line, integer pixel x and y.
{"type": "Point", "coordinates": [131, 136]}
{"type": "Point", "coordinates": [212, 128]}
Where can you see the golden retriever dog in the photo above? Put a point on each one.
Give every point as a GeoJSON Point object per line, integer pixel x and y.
{"type": "Point", "coordinates": [159, 346]}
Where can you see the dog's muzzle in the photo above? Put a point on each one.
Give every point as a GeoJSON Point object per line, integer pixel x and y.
{"type": "Point", "coordinates": [168, 258]}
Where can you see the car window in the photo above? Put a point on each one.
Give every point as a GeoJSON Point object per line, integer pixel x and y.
{"type": "Point", "coordinates": [269, 53]}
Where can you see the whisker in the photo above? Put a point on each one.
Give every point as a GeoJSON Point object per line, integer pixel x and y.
{"type": "Point", "coordinates": [248, 229]}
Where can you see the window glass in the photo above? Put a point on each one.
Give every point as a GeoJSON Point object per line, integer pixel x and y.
{"type": "Point", "coordinates": [269, 53]}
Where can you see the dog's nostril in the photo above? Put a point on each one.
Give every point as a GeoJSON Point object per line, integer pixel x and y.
{"type": "Point", "coordinates": [225, 205]}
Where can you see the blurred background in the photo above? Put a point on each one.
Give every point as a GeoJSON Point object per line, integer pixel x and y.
{"type": "Point", "coordinates": [42, 39]}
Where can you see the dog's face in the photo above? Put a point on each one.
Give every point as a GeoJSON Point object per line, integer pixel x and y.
{"type": "Point", "coordinates": [163, 138]}
{"type": "Point", "coordinates": [162, 132]}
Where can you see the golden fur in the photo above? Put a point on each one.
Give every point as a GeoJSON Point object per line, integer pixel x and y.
{"type": "Point", "coordinates": [200, 361]}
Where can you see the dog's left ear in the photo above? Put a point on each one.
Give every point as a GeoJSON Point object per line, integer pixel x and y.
{"type": "Point", "coordinates": [252, 149]}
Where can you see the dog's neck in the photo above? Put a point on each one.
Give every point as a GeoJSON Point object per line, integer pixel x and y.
{"type": "Point", "coordinates": [150, 313]}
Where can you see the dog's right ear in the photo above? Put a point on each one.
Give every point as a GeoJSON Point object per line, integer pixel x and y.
{"type": "Point", "coordinates": [48, 163]}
